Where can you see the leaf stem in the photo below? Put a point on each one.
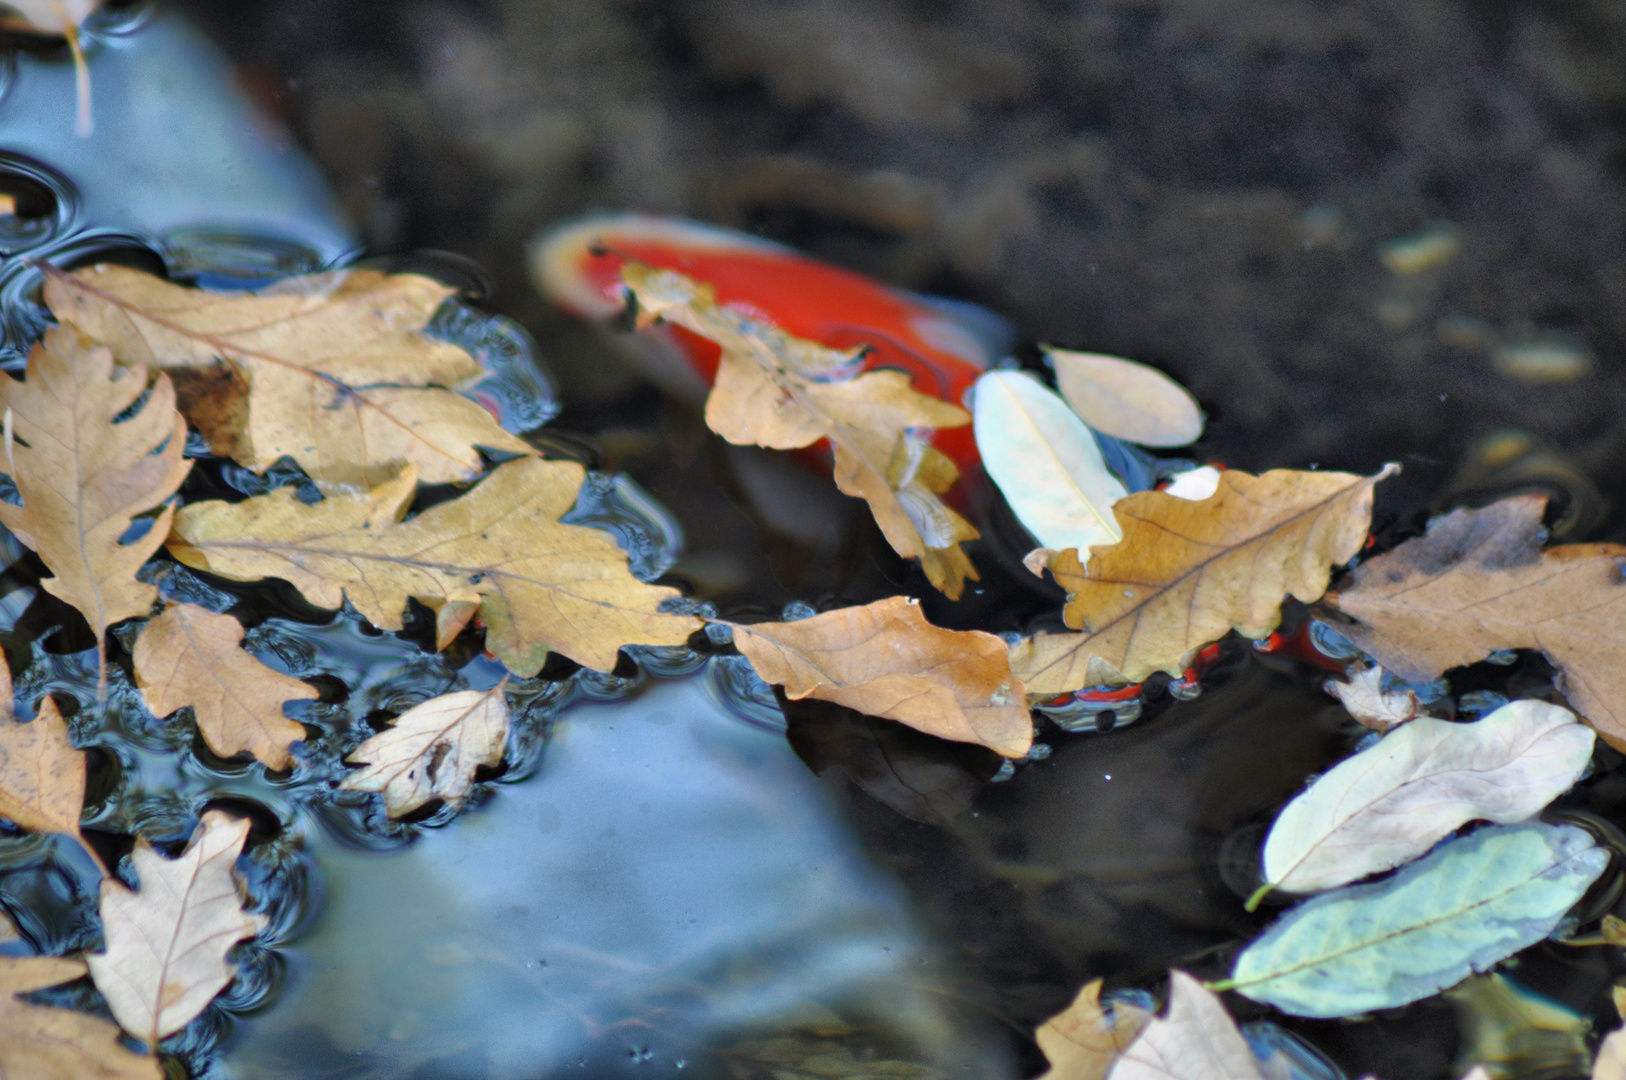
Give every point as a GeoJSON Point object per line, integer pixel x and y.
{"type": "Point", "coordinates": [1220, 985]}
{"type": "Point", "coordinates": [1259, 894]}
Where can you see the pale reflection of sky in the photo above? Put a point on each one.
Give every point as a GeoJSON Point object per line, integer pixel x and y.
{"type": "Point", "coordinates": [665, 855]}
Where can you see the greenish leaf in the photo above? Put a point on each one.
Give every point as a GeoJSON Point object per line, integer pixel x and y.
{"type": "Point", "coordinates": [1467, 905]}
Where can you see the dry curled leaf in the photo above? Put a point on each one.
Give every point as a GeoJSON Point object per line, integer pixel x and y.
{"type": "Point", "coordinates": [433, 749]}
{"type": "Point", "coordinates": [39, 1042]}
{"type": "Point", "coordinates": [784, 393]}
{"type": "Point", "coordinates": [166, 945]}
{"type": "Point", "coordinates": [884, 659]}
{"type": "Point", "coordinates": [1127, 400]}
{"type": "Point", "coordinates": [1197, 1040]}
{"type": "Point", "coordinates": [1186, 573]}
{"type": "Point", "coordinates": [1479, 581]}
{"type": "Point", "coordinates": [499, 549]}
{"type": "Point", "coordinates": [333, 370]}
{"type": "Point", "coordinates": [192, 656]}
{"type": "Point", "coordinates": [84, 479]}
{"type": "Point", "coordinates": [1370, 704]}
{"type": "Point", "coordinates": [1082, 1041]}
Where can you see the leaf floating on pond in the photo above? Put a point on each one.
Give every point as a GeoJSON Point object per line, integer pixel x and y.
{"type": "Point", "coordinates": [1469, 904]}
{"type": "Point", "coordinates": [1045, 461]}
{"type": "Point", "coordinates": [1423, 781]}
{"type": "Point", "coordinates": [1127, 400]}
{"type": "Point", "coordinates": [1198, 1040]}
{"type": "Point", "coordinates": [1084, 1040]}
{"type": "Point", "coordinates": [1370, 704]}
{"type": "Point", "coordinates": [38, 1041]}
{"type": "Point", "coordinates": [432, 750]}
{"type": "Point", "coordinates": [42, 775]}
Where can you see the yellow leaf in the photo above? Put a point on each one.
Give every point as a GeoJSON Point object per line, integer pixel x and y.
{"type": "Point", "coordinates": [1186, 573]}
{"type": "Point", "coordinates": [884, 659]}
{"type": "Point", "coordinates": [782, 392]}
{"type": "Point", "coordinates": [84, 478]}
{"type": "Point", "coordinates": [1479, 581]}
{"type": "Point", "coordinates": [538, 584]}
{"type": "Point", "coordinates": [190, 656]}
{"type": "Point", "coordinates": [332, 370]}
{"type": "Point", "coordinates": [165, 946]}
{"type": "Point", "coordinates": [39, 1042]}
{"type": "Point", "coordinates": [1126, 400]}
{"type": "Point", "coordinates": [433, 749]}
{"type": "Point", "coordinates": [1082, 1041]}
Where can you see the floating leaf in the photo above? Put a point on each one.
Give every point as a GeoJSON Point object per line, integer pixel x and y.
{"type": "Point", "coordinates": [42, 776]}
{"type": "Point", "coordinates": [166, 945]}
{"type": "Point", "coordinates": [499, 549]}
{"type": "Point", "coordinates": [884, 659]}
{"type": "Point", "coordinates": [332, 370]}
{"type": "Point", "coordinates": [191, 656]}
{"type": "Point", "coordinates": [433, 749]}
{"type": "Point", "coordinates": [1129, 401]}
{"type": "Point", "coordinates": [1370, 704]}
{"type": "Point", "coordinates": [1082, 1041]}
{"type": "Point", "coordinates": [85, 478]}
{"type": "Point", "coordinates": [38, 1042]}
{"type": "Point", "coordinates": [1479, 581]}
{"type": "Point", "coordinates": [1394, 801]}
{"type": "Point", "coordinates": [782, 392]}
{"type": "Point", "coordinates": [1198, 1040]}
{"type": "Point", "coordinates": [1045, 461]}
{"type": "Point", "coordinates": [1187, 572]}
{"type": "Point", "coordinates": [1610, 1063]}
{"type": "Point", "coordinates": [1467, 905]}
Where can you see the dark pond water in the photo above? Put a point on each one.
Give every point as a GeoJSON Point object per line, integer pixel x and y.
{"type": "Point", "coordinates": [655, 882]}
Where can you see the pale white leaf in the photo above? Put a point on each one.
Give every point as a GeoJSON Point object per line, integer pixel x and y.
{"type": "Point", "coordinates": [1373, 706]}
{"type": "Point", "coordinates": [1194, 484]}
{"type": "Point", "coordinates": [433, 749]}
{"type": "Point", "coordinates": [1198, 1040]}
{"type": "Point", "coordinates": [1045, 461]}
{"type": "Point", "coordinates": [1127, 400]}
{"type": "Point", "coordinates": [166, 945]}
{"type": "Point", "coordinates": [1394, 801]}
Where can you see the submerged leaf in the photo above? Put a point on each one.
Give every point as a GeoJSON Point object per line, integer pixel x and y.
{"type": "Point", "coordinates": [1198, 1040]}
{"type": "Point", "coordinates": [1370, 704]}
{"type": "Point", "coordinates": [538, 584]}
{"type": "Point", "coordinates": [1045, 461]}
{"type": "Point", "coordinates": [165, 950]}
{"type": "Point", "coordinates": [1133, 402]}
{"type": "Point", "coordinates": [1462, 908]}
{"type": "Point", "coordinates": [783, 392]}
{"type": "Point", "coordinates": [39, 1042]}
{"type": "Point", "coordinates": [191, 656]}
{"type": "Point", "coordinates": [1394, 801]}
{"type": "Point", "coordinates": [433, 749]}
{"type": "Point", "coordinates": [884, 659]}
{"type": "Point", "coordinates": [1510, 1031]}
{"type": "Point", "coordinates": [1188, 572]}
{"type": "Point", "coordinates": [1084, 1040]}
{"type": "Point", "coordinates": [1479, 581]}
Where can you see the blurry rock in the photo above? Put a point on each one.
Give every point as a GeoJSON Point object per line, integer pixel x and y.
{"type": "Point", "coordinates": [1430, 249]}
{"type": "Point", "coordinates": [1547, 357]}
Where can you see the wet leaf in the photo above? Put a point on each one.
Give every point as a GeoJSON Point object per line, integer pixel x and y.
{"type": "Point", "coordinates": [1510, 1031]}
{"type": "Point", "coordinates": [165, 946]}
{"type": "Point", "coordinates": [42, 776]}
{"type": "Point", "coordinates": [1370, 704]}
{"type": "Point", "coordinates": [192, 656]}
{"type": "Point", "coordinates": [782, 392]}
{"type": "Point", "coordinates": [1394, 801]}
{"type": "Point", "coordinates": [1045, 461]}
{"type": "Point", "coordinates": [84, 479]}
{"type": "Point", "coordinates": [1129, 401]}
{"type": "Point", "coordinates": [1467, 905]}
{"type": "Point", "coordinates": [884, 659]}
{"type": "Point", "coordinates": [499, 549]}
{"type": "Point", "coordinates": [1610, 1063]}
{"type": "Point", "coordinates": [39, 1042]}
{"type": "Point", "coordinates": [1479, 581]}
{"type": "Point", "coordinates": [1188, 572]}
{"type": "Point", "coordinates": [433, 749]}
{"type": "Point", "coordinates": [332, 370]}
{"type": "Point", "coordinates": [1082, 1041]}
{"type": "Point", "coordinates": [1198, 1040]}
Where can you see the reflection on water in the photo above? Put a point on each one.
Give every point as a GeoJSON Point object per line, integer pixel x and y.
{"type": "Point", "coordinates": [669, 874]}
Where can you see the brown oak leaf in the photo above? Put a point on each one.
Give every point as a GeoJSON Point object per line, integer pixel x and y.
{"type": "Point", "coordinates": [1479, 581]}
{"type": "Point", "coordinates": [432, 750]}
{"type": "Point", "coordinates": [1084, 1040]}
{"type": "Point", "coordinates": [884, 659]}
{"type": "Point", "coordinates": [784, 393]}
{"type": "Point", "coordinates": [1188, 572]}
{"type": "Point", "coordinates": [192, 656]}
{"type": "Point", "coordinates": [40, 1042]}
{"type": "Point", "coordinates": [500, 549]}
{"type": "Point", "coordinates": [333, 370]}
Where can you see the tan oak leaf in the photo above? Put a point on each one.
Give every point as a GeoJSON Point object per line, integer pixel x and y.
{"type": "Point", "coordinates": [191, 656]}
{"type": "Point", "coordinates": [1188, 572]}
{"type": "Point", "coordinates": [1197, 1040]}
{"type": "Point", "coordinates": [500, 549]}
{"type": "Point", "coordinates": [1479, 581]}
{"type": "Point", "coordinates": [40, 1042]}
{"type": "Point", "coordinates": [1082, 1041]}
{"type": "Point", "coordinates": [166, 945]}
{"type": "Point", "coordinates": [84, 477]}
{"type": "Point", "coordinates": [884, 659]}
{"type": "Point", "coordinates": [42, 776]}
{"type": "Point", "coordinates": [782, 392]}
{"type": "Point", "coordinates": [333, 370]}
{"type": "Point", "coordinates": [433, 749]}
